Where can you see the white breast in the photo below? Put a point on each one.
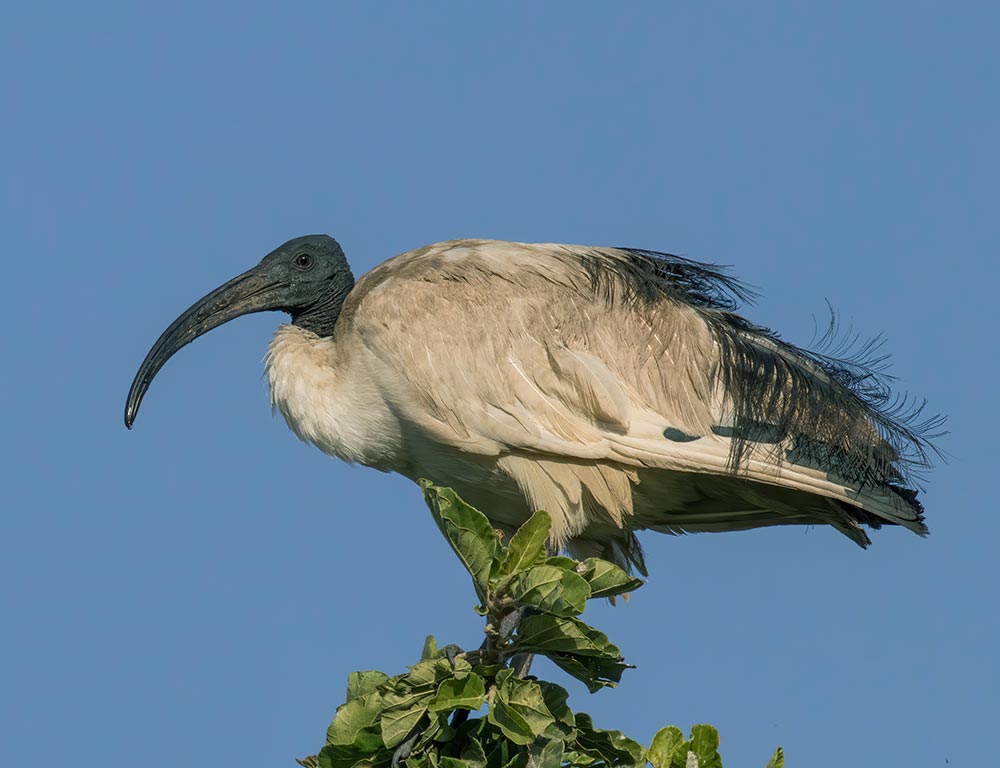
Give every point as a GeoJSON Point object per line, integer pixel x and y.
{"type": "Point", "coordinates": [328, 400]}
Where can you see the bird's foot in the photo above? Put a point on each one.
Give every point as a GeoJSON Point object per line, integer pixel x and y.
{"type": "Point", "coordinates": [452, 652]}
{"type": "Point", "coordinates": [406, 747]}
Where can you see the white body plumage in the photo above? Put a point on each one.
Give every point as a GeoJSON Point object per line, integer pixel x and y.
{"type": "Point", "coordinates": [533, 376]}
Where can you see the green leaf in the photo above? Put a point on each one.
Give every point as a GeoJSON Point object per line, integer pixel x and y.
{"type": "Point", "coordinates": [566, 563]}
{"type": "Point", "coordinates": [550, 589]}
{"type": "Point", "coordinates": [520, 760]}
{"type": "Point", "coordinates": [499, 751]}
{"type": "Point", "coordinates": [360, 683]}
{"type": "Point", "coordinates": [664, 745]}
{"type": "Point", "coordinates": [545, 753]}
{"type": "Point", "coordinates": [337, 756]}
{"type": "Point", "coordinates": [420, 760]}
{"type": "Point", "coordinates": [438, 731]}
{"type": "Point", "coordinates": [421, 674]}
{"type": "Point", "coordinates": [612, 746]}
{"type": "Point", "coordinates": [527, 545]}
{"type": "Point", "coordinates": [430, 650]}
{"type": "Point", "coordinates": [518, 708]}
{"type": "Point", "coordinates": [475, 729]}
{"type": "Point", "coordinates": [555, 697]}
{"type": "Point", "coordinates": [607, 579]}
{"type": "Point", "coordinates": [777, 759]}
{"type": "Point", "coordinates": [578, 759]}
{"type": "Point", "coordinates": [595, 672]}
{"type": "Point", "coordinates": [453, 693]}
{"type": "Point", "coordinates": [705, 745]}
{"type": "Point", "coordinates": [451, 762]}
{"type": "Point", "coordinates": [425, 675]}
{"type": "Point", "coordinates": [526, 697]}
{"type": "Point", "coordinates": [445, 734]}
{"type": "Point", "coordinates": [406, 698]}
{"type": "Point", "coordinates": [473, 754]}
{"type": "Point", "coordinates": [542, 633]}
{"type": "Point", "coordinates": [486, 671]}
{"type": "Point", "coordinates": [352, 719]}
{"type": "Point", "coordinates": [413, 761]}
{"type": "Point", "coordinates": [509, 721]}
{"type": "Point", "coordinates": [467, 530]}
{"type": "Point", "coordinates": [406, 703]}
{"type": "Point", "coordinates": [397, 724]}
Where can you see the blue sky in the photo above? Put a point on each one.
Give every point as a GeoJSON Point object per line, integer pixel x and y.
{"type": "Point", "coordinates": [196, 591]}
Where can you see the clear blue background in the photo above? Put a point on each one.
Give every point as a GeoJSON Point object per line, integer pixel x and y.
{"type": "Point", "coordinates": [196, 591]}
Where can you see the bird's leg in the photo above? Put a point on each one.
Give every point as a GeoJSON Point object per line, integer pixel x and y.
{"type": "Point", "coordinates": [460, 716]}
{"type": "Point", "coordinates": [521, 664]}
{"type": "Point", "coordinates": [451, 652]}
{"type": "Point", "coordinates": [406, 747]}
{"type": "Point", "coordinates": [509, 623]}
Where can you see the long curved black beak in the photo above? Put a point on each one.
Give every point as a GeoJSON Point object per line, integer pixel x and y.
{"type": "Point", "coordinates": [253, 291]}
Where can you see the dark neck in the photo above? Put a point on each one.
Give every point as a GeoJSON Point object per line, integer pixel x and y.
{"type": "Point", "coordinates": [321, 317]}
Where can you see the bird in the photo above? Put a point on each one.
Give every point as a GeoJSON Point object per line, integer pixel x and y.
{"type": "Point", "coordinates": [618, 389]}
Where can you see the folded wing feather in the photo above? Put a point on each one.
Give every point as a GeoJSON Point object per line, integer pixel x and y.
{"type": "Point", "coordinates": [613, 388]}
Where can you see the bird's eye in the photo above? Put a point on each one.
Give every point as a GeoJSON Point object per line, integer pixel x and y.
{"type": "Point", "coordinates": [303, 261]}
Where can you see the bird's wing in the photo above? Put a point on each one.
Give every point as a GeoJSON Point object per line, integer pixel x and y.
{"type": "Point", "coordinates": [554, 353]}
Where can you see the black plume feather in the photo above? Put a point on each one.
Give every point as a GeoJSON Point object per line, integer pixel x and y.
{"type": "Point", "coordinates": [834, 404]}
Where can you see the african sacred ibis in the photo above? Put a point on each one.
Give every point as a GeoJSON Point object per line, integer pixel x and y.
{"type": "Point", "coordinates": [615, 388]}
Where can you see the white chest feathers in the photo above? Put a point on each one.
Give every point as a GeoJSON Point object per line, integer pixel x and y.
{"type": "Point", "coordinates": [328, 401]}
